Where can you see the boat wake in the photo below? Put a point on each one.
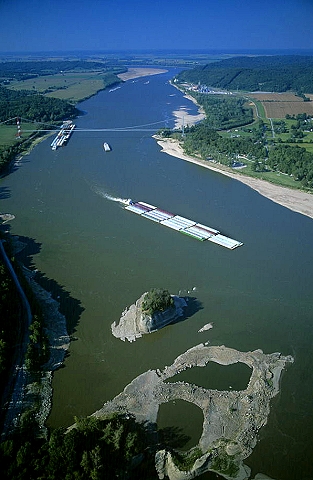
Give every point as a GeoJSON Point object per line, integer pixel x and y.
{"type": "Point", "coordinates": [102, 193]}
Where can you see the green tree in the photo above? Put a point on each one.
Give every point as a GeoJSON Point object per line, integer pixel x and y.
{"type": "Point", "coordinates": [157, 299]}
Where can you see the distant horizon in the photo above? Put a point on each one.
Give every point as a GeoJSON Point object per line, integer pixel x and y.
{"type": "Point", "coordinates": [167, 51]}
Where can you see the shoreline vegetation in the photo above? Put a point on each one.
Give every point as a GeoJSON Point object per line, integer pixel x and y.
{"type": "Point", "coordinates": [293, 199]}
{"type": "Point", "coordinates": [296, 200]}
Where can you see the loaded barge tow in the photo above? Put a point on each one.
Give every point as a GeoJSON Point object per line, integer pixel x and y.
{"type": "Point", "coordinates": [63, 135]}
{"type": "Point", "coordinates": [181, 224]}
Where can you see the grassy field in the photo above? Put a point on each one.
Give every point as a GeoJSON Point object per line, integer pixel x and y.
{"type": "Point", "coordinates": [72, 87]}
{"type": "Point", "coordinates": [79, 90]}
{"type": "Point", "coordinates": [274, 177]}
{"type": "Point", "coordinates": [53, 82]}
{"type": "Point", "coordinates": [8, 133]}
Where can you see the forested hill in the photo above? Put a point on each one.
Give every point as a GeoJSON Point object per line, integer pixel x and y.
{"type": "Point", "coordinates": [33, 106]}
{"type": "Point", "coordinates": [277, 73]}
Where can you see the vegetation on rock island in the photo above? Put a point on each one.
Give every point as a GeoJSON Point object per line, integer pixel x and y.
{"type": "Point", "coordinates": [157, 300]}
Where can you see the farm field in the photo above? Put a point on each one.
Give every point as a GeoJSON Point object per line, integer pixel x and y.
{"type": "Point", "coordinates": [82, 89]}
{"type": "Point", "coordinates": [54, 82]}
{"type": "Point", "coordinates": [72, 87]}
{"type": "Point", "coordinates": [278, 105]}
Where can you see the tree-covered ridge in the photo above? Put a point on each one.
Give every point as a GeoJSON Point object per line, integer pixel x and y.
{"type": "Point", "coordinates": [33, 106]}
{"type": "Point", "coordinates": [263, 73]}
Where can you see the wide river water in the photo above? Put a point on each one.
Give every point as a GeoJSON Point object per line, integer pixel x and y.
{"type": "Point", "coordinates": [98, 258]}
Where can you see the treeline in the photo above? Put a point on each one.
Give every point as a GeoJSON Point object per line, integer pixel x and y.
{"type": "Point", "coordinates": [10, 310]}
{"type": "Point", "coordinates": [208, 143]}
{"type": "Point", "coordinates": [12, 323]}
{"type": "Point", "coordinates": [9, 153]}
{"type": "Point", "coordinates": [32, 106]}
{"type": "Point", "coordinates": [115, 447]}
{"type": "Point", "coordinates": [295, 161]}
{"type": "Point", "coordinates": [278, 73]}
{"type": "Point", "coordinates": [291, 160]}
{"type": "Point", "coordinates": [224, 112]}
{"type": "Point", "coordinates": [29, 69]}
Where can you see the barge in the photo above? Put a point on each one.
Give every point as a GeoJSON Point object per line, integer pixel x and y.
{"type": "Point", "coordinates": [181, 224]}
{"type": "Point", "coordinates": [63, 135]}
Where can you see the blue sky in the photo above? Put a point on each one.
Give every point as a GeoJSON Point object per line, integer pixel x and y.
{"type": "Point", "coordinates": [60, 25]}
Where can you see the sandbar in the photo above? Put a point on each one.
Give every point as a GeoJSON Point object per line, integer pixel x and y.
{"type": "Point", "coordinates": [139, 72]}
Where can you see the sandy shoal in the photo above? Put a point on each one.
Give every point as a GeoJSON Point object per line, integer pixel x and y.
{"type": "Point", "coordinates": [139, 72]}
{"type": "Point", "coordinates": [295, 200]}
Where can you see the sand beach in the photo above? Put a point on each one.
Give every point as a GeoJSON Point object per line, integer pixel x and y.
{"type": "Point", "coordinates": [140, 72]}
{"type": "Point", "coordinates": [296, 200]}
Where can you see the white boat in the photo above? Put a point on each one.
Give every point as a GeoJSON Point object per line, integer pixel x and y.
{"type": "Point", "coordinates": [106, 147]}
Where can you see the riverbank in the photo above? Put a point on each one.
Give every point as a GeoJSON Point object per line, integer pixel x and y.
{"type": "Point", "coordinates": [28, 392]}
{"type": "Point", "coordinates": [295, 200]}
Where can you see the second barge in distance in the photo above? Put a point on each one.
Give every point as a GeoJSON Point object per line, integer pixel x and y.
{"type": "Point", "coordinates": [181, 224]}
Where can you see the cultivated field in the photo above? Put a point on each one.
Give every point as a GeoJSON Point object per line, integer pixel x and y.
{"type": "Point", "coordinates": [278, 105]}
{"type": "Point", "coordinates": [68, 86]}
{"type": "Point", "coordinates": [82, 89]}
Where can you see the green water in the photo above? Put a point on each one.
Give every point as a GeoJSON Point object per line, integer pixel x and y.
{"type": "Point", "coordinates": [98, 258]}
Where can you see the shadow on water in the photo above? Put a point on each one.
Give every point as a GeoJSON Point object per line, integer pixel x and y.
{"type": "Point", "coordinates": [13, 165]}
{"type": "Point", "coordinates": [173, 437]}
{"type": "Point", "coordinates": [70, 307]}
{"type": "Point", "coordinates": [193, 306]}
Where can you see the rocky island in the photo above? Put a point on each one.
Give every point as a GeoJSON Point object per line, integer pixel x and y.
{"type": "Point", "coordinates": [231, 419]}
{"type": "Point", "coordinates": [152, 311]}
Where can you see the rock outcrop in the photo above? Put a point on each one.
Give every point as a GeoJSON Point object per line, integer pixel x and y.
{"type": "Point", "coordinates": [134, 323]}
{"type": "Point", "coordinates": [231, 419]}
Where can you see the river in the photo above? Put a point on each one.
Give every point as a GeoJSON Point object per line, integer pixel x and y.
{"type": "Point", "coordinates": [99, 258]}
